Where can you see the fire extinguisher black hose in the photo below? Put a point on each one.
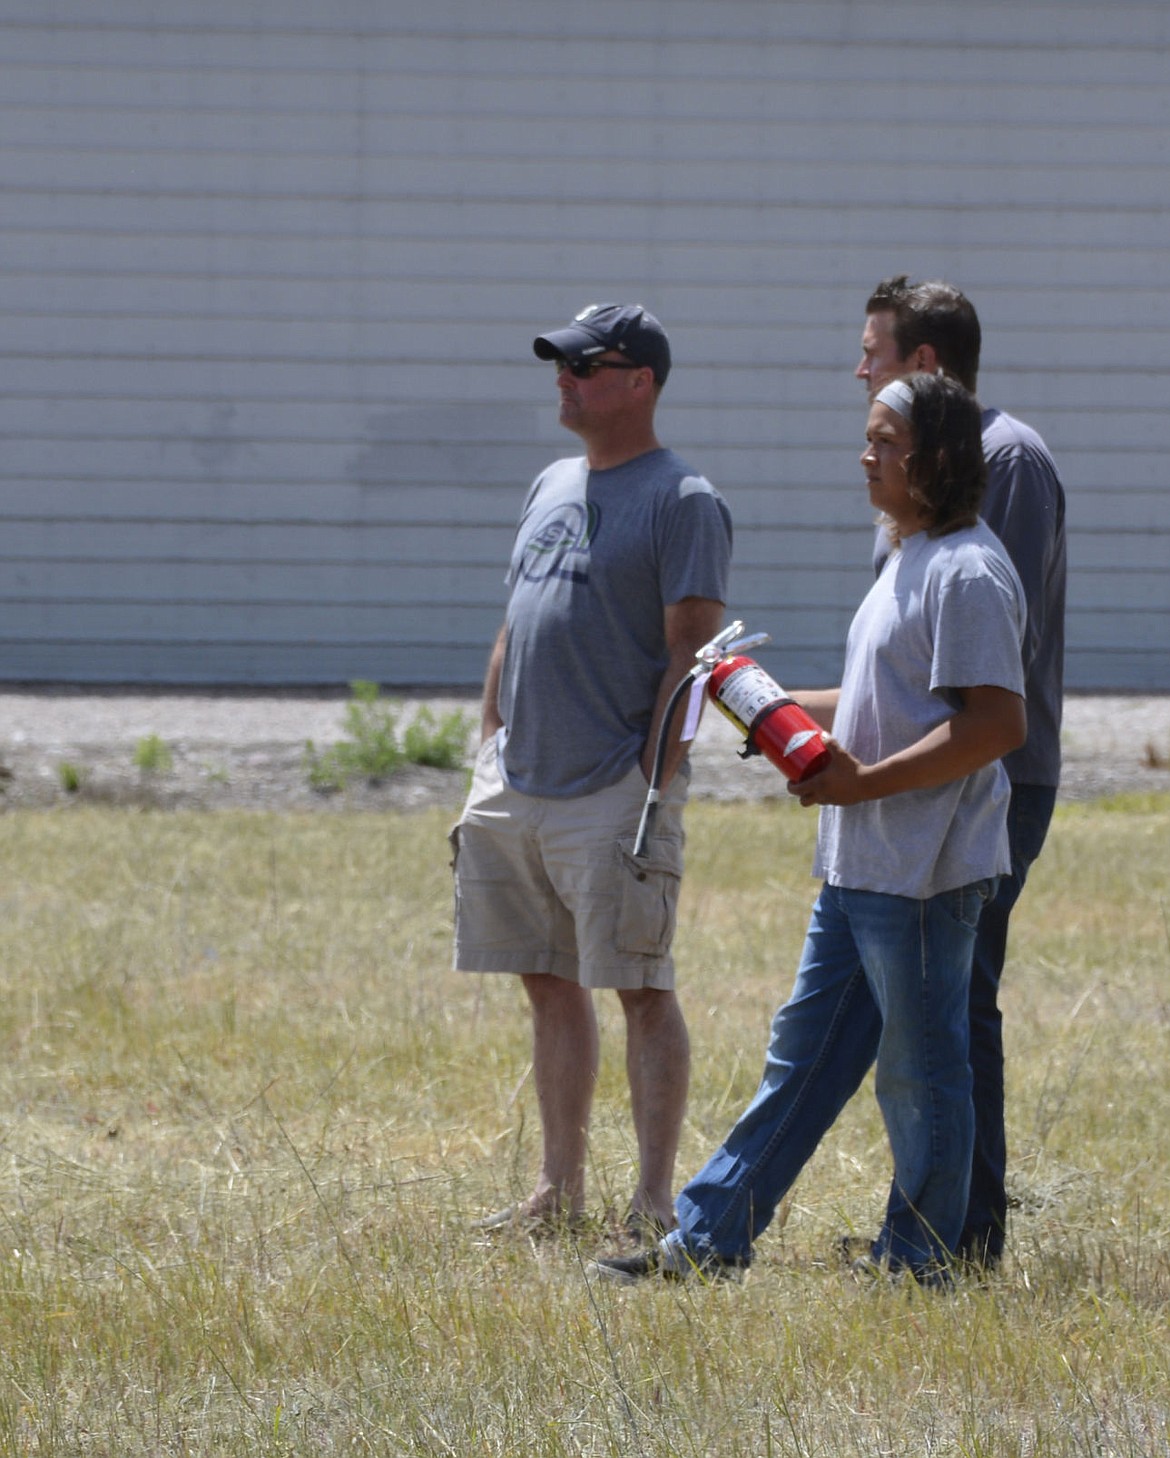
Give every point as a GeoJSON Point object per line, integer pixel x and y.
{"type": "Point", "coordinates": [650, 809]}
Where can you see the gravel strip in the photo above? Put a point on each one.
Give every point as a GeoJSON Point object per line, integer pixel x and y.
{"type": "Point", "coordinates": [243, 749]}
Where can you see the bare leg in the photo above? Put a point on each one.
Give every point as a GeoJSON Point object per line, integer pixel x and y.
{"type": "Point", "coordinates": [658, 1060]}
{"type": "Point", "coordinates": [565, 1053]}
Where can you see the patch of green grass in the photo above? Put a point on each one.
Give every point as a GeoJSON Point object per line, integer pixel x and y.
{"type": "Point", "coordinates": [248, 1113]}
{"type": "Point", "coordinates": [1131, 802]}
{"type": "Point", "coordinates": [153, 756]}
{"type": "Point", "coordinates": [377, 744]}
{"type": "Point", "coordinates": [439, 742]}
{"type": "Point", "coordinates": [71, 776]}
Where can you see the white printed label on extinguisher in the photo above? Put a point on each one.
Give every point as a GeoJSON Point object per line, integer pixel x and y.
{"type": "Point", "coordinates": [798, 740]}
{"type": "Point", "coordinates": [749, 691]}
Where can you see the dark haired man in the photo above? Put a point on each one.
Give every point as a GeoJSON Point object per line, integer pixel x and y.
{"type": "Point", "coordinates": [931, 326]}
{"type": "Point", "coordinates": [618, 576]}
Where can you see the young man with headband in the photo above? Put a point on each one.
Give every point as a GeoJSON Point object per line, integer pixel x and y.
{"type": "Point", "coordinates": [912, 838]}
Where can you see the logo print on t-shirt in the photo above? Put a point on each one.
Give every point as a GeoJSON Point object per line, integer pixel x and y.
{"type": "Point", "coordinates": [559, 546]}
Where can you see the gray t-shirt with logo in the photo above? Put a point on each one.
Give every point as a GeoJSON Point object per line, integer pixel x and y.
{"type": "Point", "coordinates": [598, 557]}
{"type": "Point", "coordinates": [946, 613]}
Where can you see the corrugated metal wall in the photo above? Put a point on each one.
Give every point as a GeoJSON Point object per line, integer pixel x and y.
{"type": "Point", "coordinates": [270, 271]}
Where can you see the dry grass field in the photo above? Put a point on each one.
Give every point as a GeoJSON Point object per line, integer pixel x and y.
{"type": "Point", "coordinates": [247, 1115]}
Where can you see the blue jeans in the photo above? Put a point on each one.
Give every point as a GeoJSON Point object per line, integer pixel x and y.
{"type": "Point", "coordinates": [881, 977]}
{"type": "Point", "coordinates": [1029, 815]}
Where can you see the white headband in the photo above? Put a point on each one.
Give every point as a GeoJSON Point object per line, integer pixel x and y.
{"type": "Point", "coordinates": [898, 396]}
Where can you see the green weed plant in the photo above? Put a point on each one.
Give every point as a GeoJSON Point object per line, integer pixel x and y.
{"type": "Point", "coordinates": [376, 743]}
{"type": "Point", "coordinates": [71, 776]}
{"type": "Point", "coordinates": [248, 1114]}
{"type": "Point", "coordinates": [152, 755]}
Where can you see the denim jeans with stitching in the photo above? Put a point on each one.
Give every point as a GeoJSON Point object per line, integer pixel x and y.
{"type": "Point", "coordinates": [882, 978]}
{"type": "Point", "coordinates": [1029, 816]}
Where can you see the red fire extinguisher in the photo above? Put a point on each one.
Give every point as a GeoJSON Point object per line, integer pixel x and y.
{"type": "Point", "coordinates": [772, 723]}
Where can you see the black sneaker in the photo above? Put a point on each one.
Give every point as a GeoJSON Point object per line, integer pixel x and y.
{"type": "Point", "coordinates": [629, 1270]}
{"type": "Point", "coordinates": [672, 1265]}
{"type": "Point", "coordinates": [870, 1273]}
{"type": "Point", "coordinates": [867, 1269]}
{"type": "Point", "coordinates": [852, 1248]}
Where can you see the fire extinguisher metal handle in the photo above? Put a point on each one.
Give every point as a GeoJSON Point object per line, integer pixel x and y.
{"type": "Point", "coordinates": [741, 645]}
{"type": "Point", "coordinates": [713, 651]}
{"type": "Point", "coordinates": [726, 644]}
{"type": "Point", "coordinates": [653, 794]}
{"type": "Point", "coordinates": [646, 824]}
{"type": "Point", "coordinates": [729, 642]}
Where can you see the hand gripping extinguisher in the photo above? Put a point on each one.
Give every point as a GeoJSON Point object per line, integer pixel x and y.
{"type": "Point", "coordinates": [772, 723]}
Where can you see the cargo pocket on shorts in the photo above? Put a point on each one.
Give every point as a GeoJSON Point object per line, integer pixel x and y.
{"type": "Point", "coordinates": [475, 911]}
{"type": "Point", "coordinates": [649, 898]}
{"type": "Point", "coordinates": [453, 842]}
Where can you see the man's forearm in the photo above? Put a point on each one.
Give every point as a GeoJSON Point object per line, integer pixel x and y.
{"type": "Point", "coordinates": [819, 704]}
{"type": "Point", "coordinates": [990, 723]}
{"type": "Point", "coordinates": [490, 718]}
{"type": "Point", "coordinates": [956, 748]}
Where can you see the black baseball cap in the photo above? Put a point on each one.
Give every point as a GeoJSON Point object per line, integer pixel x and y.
{"type": "Point", "coordinates": [628, 328]}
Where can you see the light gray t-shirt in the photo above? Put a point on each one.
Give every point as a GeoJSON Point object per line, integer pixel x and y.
{"type": "Point", "coordinates": [946, 613]}
{"type": "Point", "coordinates": [1024, 506]}
{"type": "Point", "coordinates": [598, 557]}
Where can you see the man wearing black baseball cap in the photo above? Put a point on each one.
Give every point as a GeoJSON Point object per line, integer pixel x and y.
{"type": "Point", "coordinates": [618, 576]}
{"type": "Point", "coordinates": [626, 329]}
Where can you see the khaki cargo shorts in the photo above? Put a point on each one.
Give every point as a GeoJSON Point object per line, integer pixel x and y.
{"type": "Point", "coordinates": [552, 886]}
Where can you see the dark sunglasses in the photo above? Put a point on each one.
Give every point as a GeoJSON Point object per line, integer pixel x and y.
{"type": "Point", "coordinates": [585, 369]}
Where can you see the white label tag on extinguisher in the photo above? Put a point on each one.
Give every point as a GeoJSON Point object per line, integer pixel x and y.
{"type": "Point", "coordinates": [749, 691]}
{"type": "Point", "coordinates": [798, 741]}
{"type": "Point", "coordinates": [694, 708]}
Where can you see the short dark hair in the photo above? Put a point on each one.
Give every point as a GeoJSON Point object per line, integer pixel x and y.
{"type": "Point", "coordinates": [945, 470]}
{"type": "Point", "coordinates": [933, 313]}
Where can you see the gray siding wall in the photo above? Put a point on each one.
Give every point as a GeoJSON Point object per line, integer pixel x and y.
{"type": "Point", "coordinates": [270, 275]}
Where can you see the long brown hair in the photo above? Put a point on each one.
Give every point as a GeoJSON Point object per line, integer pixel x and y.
{"type": "Point", "coordinates": [945, 470]}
